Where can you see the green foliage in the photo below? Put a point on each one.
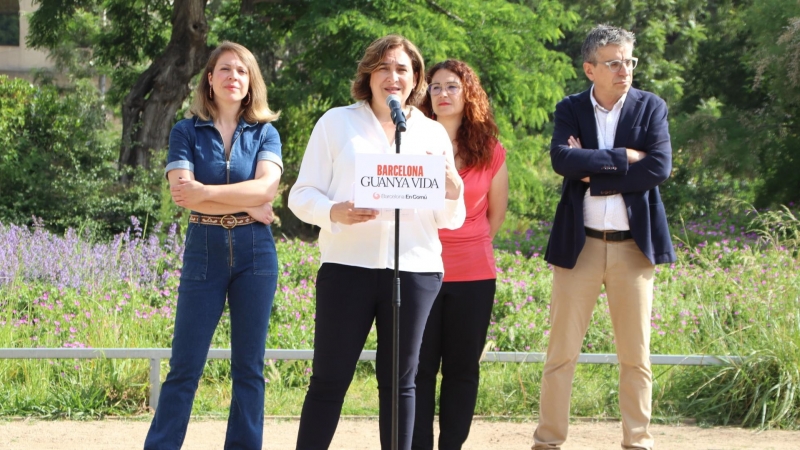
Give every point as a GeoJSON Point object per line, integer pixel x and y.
{"type": "Point", "coordinates": [715, 160]}
{"type": "Point", "coordinates": [748, 297]}
{"type": "Point", "coordinates": [48, 145]}
{"type": "Point", "coordinates": [779, 228]}
{"type": "Point", "coordinates": [712, 166]}
{"type": "Point", "coordinates": [761, 391]}
{"type": "Point", "coordinates": [774, 52]}
{"type": "Point", "coordinates": [72, 51]}
{"type": "Point", "coordinates": [505, 42]}
{"type": "Point", "coordinates": [56, 160]}
{"type": "Point", "coordinates": [297, 120]}
{"type": "Point", "coordinates": [726, 67]}
{"type": "Point", "coordinates": [91, 37]}
{"type": "Point", "coordinates": [747, 69]}
{"type": "Point", "coordinates": [308, 53]}
{"type": "Point", "coordinates": [719, 72]}
{"type": "Point", "coordinates": [534, 188]}
{"type": "Point", "coordinates": [319, 44]}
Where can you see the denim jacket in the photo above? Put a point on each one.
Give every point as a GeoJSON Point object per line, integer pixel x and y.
{"type": "Point", "coordinates": [196, 145]}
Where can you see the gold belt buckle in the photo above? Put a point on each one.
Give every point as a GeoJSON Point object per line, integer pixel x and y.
{"type": "Point", "coordinates": [604, 236]}
{"type": "Point", "coordinates": [235, 221]}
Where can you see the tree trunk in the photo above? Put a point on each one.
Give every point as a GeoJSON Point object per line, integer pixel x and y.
{"type": "Point", "coordinates": [149, 108]}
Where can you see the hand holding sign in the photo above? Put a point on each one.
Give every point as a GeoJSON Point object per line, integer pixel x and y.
{"type": "Point", "coordinates": [346, 213]}
{"type": "Point", "coordinates": [452, 181]}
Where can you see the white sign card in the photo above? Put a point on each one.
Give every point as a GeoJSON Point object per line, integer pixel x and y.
{"type": "Point", "coordinates": [399, 181]}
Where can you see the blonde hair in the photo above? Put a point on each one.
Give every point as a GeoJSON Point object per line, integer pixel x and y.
{"type": "Point", "coordinates": [257, 110]}
{"type": "Point", "coordinates": [373, 56]}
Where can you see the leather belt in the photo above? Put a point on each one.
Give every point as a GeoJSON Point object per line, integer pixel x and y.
{"type": "Point", "coordinates": [227, 221]}
{"type": "Point", "coordinates": [606, 236]}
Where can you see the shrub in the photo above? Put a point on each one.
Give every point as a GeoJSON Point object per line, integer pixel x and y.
{"type": "Point", "coordinates": [58, 161]}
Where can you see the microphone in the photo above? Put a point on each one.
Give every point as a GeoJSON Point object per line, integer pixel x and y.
{"type": "Point", "coordinates": [398, 118]}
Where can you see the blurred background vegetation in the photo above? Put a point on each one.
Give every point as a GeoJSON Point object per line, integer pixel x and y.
{"type": "Point", "coordinates": [727, 68]}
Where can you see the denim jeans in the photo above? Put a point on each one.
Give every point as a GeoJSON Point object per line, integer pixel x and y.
{"type": "Point", "coordinates": [240, 264]}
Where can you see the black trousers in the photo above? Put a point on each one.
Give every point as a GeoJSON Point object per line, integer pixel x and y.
{"type": "Point", "coordinates": [454, 336]}
{"type": "Point", "coordinates": [348, 300]}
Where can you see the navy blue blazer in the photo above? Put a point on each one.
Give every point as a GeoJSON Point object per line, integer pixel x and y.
{"type": "Point", "coordinates": [642, 126]}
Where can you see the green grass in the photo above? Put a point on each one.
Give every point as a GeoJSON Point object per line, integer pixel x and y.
{"type": "Point", "coordinates": [726, 295]}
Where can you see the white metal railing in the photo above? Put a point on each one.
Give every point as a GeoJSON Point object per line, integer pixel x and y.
{"type": "Point", "coordinates": [155, 355]}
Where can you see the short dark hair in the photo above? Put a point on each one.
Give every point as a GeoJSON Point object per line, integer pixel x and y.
{"type": "Point", "coordinates": [373, 56]}
{"type": "Point", "coordinates": [603, 35]}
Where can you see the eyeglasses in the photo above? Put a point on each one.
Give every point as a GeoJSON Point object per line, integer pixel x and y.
{"type": "Point", "coordinates": [615, 65]}
{"type": "Point", "coordinates": [451, 88]}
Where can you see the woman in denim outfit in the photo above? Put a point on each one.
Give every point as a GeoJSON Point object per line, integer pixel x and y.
{"type": "Point", "coordinates": [224, 165]}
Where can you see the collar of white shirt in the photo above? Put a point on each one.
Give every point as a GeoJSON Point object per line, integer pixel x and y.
{"type": "Point", "coordinates": [411, 115]}
{"type": "Point", "coordinates": [617, 105]}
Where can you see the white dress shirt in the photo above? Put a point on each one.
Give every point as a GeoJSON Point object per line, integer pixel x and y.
{"type": "Point", "coordinates": [606, 212]}
{"type": "Point", "coordinates": [327, 175]}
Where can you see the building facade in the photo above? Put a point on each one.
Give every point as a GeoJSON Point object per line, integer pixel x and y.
{"type": "Point", "coordinates": [16, 59]}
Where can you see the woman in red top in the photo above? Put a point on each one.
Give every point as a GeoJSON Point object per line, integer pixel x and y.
{"type": "Point", "coordinates": [456, 329]}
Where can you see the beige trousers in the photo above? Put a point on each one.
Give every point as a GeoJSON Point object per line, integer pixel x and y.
{"type": "Point", "coordinates": [628, 277]}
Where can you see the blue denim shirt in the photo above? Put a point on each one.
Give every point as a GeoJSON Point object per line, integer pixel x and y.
{"type": "Point", "coordinates": [196, 145]}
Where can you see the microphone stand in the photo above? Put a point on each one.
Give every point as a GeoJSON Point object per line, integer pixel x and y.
{"type": "Point", "coordinates": [396, 320]}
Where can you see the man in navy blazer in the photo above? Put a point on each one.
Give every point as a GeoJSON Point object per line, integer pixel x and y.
{"type": "Point", "coordinates": [611, 144]}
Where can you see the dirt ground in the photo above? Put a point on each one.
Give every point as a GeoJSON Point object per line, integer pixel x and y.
{"type": "Point", "coordinates": [358, 434]}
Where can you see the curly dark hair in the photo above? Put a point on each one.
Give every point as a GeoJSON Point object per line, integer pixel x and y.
{"type": "Point", "coordinates": [477, 135]}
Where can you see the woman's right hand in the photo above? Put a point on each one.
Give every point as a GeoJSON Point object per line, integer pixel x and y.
{"type": "Point", "coordinates": [263, 213]}
{"type": "Point", "coordinates": [346, 213]}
